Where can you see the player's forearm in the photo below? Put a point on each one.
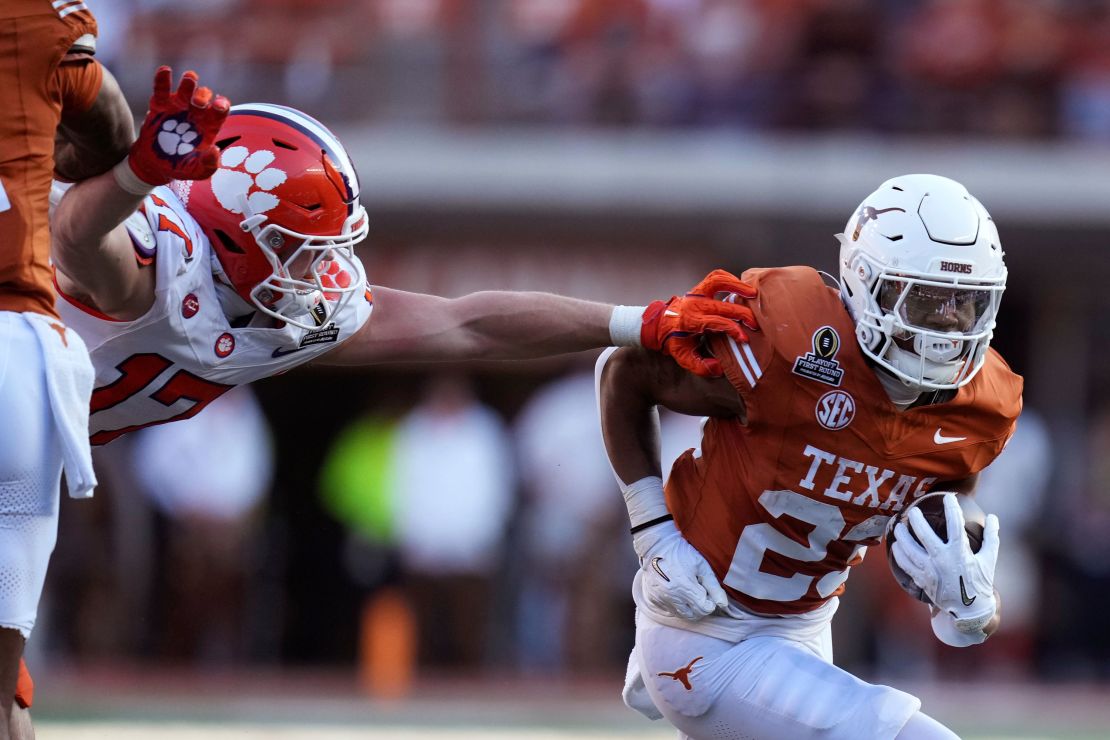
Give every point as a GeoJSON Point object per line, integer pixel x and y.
{"type": "Point", "coordinates": [92, 142]}
{"type": "Point", "coordinates": [501, 325]}
{"type": "Point", "coordinates": [415, 327]}
{"type": "Point", "coordinates": [86, 215]}
{"type": "Point", "coordinates": [629, 418]}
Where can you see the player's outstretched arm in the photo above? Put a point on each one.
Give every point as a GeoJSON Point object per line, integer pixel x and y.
{"type": "Point", "coordinates": [511, 325]}
{"type": "Point", "coordinates": [493, 325]}
{"type": "Point", "coordinates": [90, 247]}
{"type": "Point", "coordinates": [676, 579]}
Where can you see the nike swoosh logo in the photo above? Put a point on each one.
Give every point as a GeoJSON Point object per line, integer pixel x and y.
{"type": "Point", "coordinates": [940, 439]}
{"type": "Point", "coordinates": [669, 312]}
{"type": "Point", "coordinates": [657, 569]}
{"type": "Point", "coordinates": [283, 351]}
{"type": "Point", "coordinates": [963, 594]}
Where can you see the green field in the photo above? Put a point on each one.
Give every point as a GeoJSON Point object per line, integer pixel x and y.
{"type": "Point", "coordinates": [125, 704]}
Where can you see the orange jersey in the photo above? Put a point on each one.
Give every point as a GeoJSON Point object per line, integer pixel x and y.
{"type": "Point", "coordinates": [40, 81]}
{"type": "Point", "coordinates": [783, 505]}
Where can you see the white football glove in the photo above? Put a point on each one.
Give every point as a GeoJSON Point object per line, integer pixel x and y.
{"type": "Point", "coordinates": [944, 627]}
{"type": "Point", "coordinates": [958, 582]}
{"type": "Point", "coordinates": [676, 579]}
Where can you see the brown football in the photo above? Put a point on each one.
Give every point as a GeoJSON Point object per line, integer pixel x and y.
{"type": "Point", "coordinates": [932, 506]}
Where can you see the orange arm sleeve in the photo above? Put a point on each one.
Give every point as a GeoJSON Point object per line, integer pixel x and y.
{"type": "Point", "coordinates": [79, 78]}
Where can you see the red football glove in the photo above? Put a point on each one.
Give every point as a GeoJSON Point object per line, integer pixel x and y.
{"type": "Point", "coordinates": [175, 140]}
{"type": "Point", "coordinates": [675, 327]}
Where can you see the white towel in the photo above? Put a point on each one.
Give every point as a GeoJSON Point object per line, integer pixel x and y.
{"type": "Point", "coordinates": [69, 380]}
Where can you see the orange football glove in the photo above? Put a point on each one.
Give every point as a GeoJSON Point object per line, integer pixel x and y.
{"type": "Point", "coordinates": [175, 139]}
{"type": "Point", "coordinates": [676, 327]}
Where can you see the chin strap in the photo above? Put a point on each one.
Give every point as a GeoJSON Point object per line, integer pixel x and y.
{"type": "Point", "coordinates": [912, 362]}
{"type": "Point", "coordinates": [900, 393]}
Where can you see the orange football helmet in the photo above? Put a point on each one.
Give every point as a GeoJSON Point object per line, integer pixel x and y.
{"type": "Point", "coordinates": [282, 213]}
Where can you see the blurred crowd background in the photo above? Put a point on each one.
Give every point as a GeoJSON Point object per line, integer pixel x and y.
{"type": "Point", "coordinates": [407, 522]}
{"type": "Point", "coordinates": [1013, 68]}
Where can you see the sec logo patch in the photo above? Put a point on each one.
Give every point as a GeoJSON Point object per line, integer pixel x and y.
{"type": "Point", "coordinates": [835, 410]}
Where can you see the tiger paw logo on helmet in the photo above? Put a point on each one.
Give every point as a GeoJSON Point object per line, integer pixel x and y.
{"type": "Point", "coordinates": [246, 173]}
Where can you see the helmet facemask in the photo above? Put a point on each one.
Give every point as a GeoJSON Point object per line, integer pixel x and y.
{"type": "Point", "coordinates": [313, 276]}
{"type": "Point", "coordinates": [928, 332]}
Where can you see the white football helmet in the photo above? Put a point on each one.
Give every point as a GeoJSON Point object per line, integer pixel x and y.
{"type": "Point", "coordinates": [921, 273]}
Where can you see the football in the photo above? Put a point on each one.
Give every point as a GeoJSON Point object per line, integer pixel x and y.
{"type": "Point", "coordinates": [932, 506]}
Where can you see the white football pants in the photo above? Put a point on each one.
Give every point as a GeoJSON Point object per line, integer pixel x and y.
{"type": "Point", "coordinates": [30, 473]}
{"type": "Point", "coordinates": [767, 687]}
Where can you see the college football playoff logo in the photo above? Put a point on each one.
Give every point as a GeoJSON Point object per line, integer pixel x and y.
{"type": "Point", "coordinates": [820, 364]}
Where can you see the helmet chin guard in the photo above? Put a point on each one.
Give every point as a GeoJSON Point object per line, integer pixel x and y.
{"type": "Point", "coordinates": [317, 278]}
{"type": "Point", "coordinates": [922, 275]}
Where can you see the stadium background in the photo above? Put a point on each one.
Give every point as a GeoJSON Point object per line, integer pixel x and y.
{"type": "Point", "coordinates": [615, 150]}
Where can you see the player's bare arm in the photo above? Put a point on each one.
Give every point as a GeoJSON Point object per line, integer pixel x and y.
{"type": "Point", "coordinates": [632, 384]}
{"type": "Point", "coordinates": [490, 325]}
{"type": "Point", "coordinates": [91, 142]}
{"type": "Point", "coordinates": [517, 325]}
{"type": "Point", "coordinates": [675, 578]}
{"type": "Point", "coordinates": [91, 248]}
{"type": "Point", "coordinates": [93, 258]}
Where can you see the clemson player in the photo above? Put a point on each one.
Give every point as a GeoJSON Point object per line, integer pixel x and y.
{"type": "Point", "coordinates": [182, 292]}
{"type": "Point", "coordinates": [844, 408]}
{"type": "Point", "coordinates": [54, 87]}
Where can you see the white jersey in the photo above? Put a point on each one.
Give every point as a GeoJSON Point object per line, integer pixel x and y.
{"type": "Point", "coordinates": [184, 352]}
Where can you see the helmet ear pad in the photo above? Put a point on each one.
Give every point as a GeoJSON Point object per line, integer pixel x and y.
{"type": "Point", "coordinates": [868, 337]}
{"type": "Point", "coordinates": [920, 230]}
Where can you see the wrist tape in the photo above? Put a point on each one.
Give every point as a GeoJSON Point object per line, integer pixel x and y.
{"type": "Point", "coordinates": [646, 503]}
{"type": "Point", "coordinates": [128, 181]}
{"type": "Point", "coordinates": [624, 326]}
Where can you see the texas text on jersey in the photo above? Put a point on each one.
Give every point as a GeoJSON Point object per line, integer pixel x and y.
{"type": "Point", "coordinates": [185, 351]}
{"type": "Point", "coordinates": [783, 505]}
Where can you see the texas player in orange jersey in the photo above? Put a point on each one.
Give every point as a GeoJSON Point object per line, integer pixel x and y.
{"type": "Point", "coordinates": [52, 86]}
{"type": "Point", "coordinates": [851, 402]}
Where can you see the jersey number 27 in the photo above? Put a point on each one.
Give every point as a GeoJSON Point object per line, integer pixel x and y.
{"type": "Point", "coordinates": [139, 371]}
